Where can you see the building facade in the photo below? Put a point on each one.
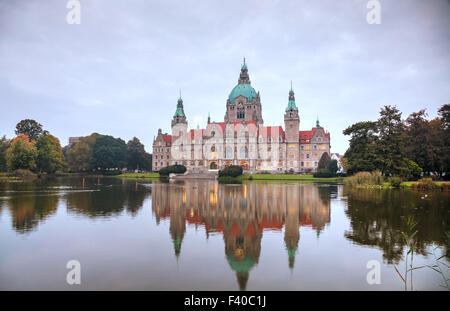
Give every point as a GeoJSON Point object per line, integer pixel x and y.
{"type": "Point", "coordinates": [242, 138]}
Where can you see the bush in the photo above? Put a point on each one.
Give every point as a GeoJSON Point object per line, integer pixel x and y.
{"type": "Point", "coordinates": [175, 169]}
{"type": "Point", "coordinates": [111, 172]}
{"type": "Point", "coordinates": [425, 184]}
{"type": "Point", "coordinates": [231, 171]}
{"type": "Point", "coordinates": [365, 178]}
{"type": "Point", "coordinates": [323, 173]}
{"type": "Point", "coordinates": [22, 173]}
{"type": "Point", "coordinates": [395, 181]}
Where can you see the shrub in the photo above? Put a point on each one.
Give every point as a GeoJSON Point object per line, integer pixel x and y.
{"type": "Point", "coordinates": [425, 184]}
{"type": "Point", "coordinates": [176, 169]}
{"type": "Point", "coordinates": [22, 173]}
{"type": "Point", "coordinates": [395, 181]}
{"type": "Point", "coordinates": [231, 171]}
{"type": "Point", "coordinates": [323, 173]}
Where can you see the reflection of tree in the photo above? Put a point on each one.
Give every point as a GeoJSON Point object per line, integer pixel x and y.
{"type": "Point", "coordinates": [107, 198]}
{"type": "Point", "coordinates": [241, 213]}
{"type": "Point", "coordinates": [28, 210]}
{"type": "Point", "coordinates": [376, 219]}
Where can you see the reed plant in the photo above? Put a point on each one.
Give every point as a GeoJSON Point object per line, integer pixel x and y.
{"type": "Point", "coordinates": [365, 179]}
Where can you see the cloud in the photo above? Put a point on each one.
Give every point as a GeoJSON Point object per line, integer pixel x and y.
{"type": "Point", "coordinates": [126, 62]}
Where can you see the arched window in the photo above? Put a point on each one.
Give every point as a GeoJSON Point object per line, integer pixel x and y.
{"type": "Point", "coordinates": [244, 152]}
{"type": "Point", "coordinates": [228, 153]}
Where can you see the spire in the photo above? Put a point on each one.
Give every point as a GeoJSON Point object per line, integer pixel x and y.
{"type": "Point", "coordinates": [244, 66]}
{"type": "Point", "coordinates": [180, 100]}
{"type": "Point", "coordinates": [209, 118]}
{"type": "Point", "coordinates": [291, 102]}
{"type": "Point", "coordinates": [179, 116]}
{"type": "Point", "coordinates": [317, 121]}
{"type": "Point", "coordinates": [243, 77]}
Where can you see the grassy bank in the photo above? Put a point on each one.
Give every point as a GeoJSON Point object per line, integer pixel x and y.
{"type": "Point", "coordinates": [139, 175]}
{"type": "Point", "coordinates": [280, 177]}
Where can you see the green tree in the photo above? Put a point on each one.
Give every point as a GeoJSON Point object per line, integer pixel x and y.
{"type": "Point", "coordinates": [324, 160]}
{"type": "Point", "coordinates": [444, 113]}
{"type": "Point", "coordinates": [49, 154]}
{"type": "Point", "coordinates": [4, 145]}
{"type": "Point", "coordinates": [79, 155]}
{"type": "Point", "coordinates": [109, 152]}
{"type": "Point", "coordinates": [137, 158]}
{"type": "Point", "coordinates": [332, 167]}
{"type": "Point", "coordinates": [21, 154]}
{"type": "Point", "coordinates": [390, 146]}
{"type": "Point", "coordinates": [30, 128]}
{"type": "Point", "coordinates": [410, 169]}
{"type": "Point", "coordinates": [420, 145]}
{"type": "Point", "coordinates": [361, 154]}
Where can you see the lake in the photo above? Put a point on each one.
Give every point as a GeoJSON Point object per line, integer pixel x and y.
{"type": "Point", "coordinates": [205, 235]}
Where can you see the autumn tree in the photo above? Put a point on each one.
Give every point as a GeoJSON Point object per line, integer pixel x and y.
{"type": "Point", "coordinates": [21, 153]}
{"type": "Point", "coordinates": [79, 155]}
{"type": "Point", "coordinates": [49, 154]}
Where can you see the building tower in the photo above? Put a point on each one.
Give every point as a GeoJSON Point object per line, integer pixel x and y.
{"type": "Point", "coordinates": [179, 134]}
{"type": "Point", "coordinates": [292, 125]}
{"type": "Point", "coordinates": [244, 103]}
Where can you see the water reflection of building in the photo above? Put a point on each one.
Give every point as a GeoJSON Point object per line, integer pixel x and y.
{"type": "Point", "coordinates": [241, 213]}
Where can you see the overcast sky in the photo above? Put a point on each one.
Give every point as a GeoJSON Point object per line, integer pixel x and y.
{"type": "Point", "coordinates": [119, 72]}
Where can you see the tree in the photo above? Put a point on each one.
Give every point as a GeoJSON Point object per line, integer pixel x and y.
{"type": "Point", "coordinates": [324, 160]}
{"type": "Point", "coordinates": [21, 154]}
{"type": "Point", "coordinates": [361, 154]}
{"type": "Point", "coordinates": [136, 155]}
{"type": "Point", "coordinates": [30, 128]}
{"type": "Point", "coordinates": [4, 145]}
{"type": "Point", "coordinates": [49, 154]}
{"type": "Point", "coordinates": [390, 146]}
{"type": "Point", "coordinates": [444, 113]}
{"type": "Point", "coordinates": [420, 145]}
{"type": "Point", "coordinates": [332, 167]}
{"type": "Point", "coordinates": [79, 155]}
{"type": "Point", "coordinates": [109, 152]}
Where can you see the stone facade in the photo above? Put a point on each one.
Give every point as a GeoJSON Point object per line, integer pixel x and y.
{"type": "Point", "coordinates": [242, 139]}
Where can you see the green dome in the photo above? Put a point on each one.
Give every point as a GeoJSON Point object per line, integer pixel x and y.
{"type": "Point", "coordinates": [242, 265]}
{"type": "Point", "coordinates": [245, 90]}
{"type": "Point", "coordinates": [179, 112]}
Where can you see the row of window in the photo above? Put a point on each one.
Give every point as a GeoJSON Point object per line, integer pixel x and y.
{"type": "Point", "coordinates": [161, 157]}
{"type": "Point", "coordinates": [162, 149]}
{"type": "Point", "coordinates": [307, 163]}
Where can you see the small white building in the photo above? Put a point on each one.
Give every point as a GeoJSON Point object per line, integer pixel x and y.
{"type": "Point", "coordinates": [337, 157]}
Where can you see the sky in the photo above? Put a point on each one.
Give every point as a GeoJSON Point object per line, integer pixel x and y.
{"type": "Point", "coordinates": [119, 72]}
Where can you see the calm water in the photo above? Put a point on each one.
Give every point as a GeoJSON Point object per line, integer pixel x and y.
{"type": "Point", "coordinates": [208, 236]}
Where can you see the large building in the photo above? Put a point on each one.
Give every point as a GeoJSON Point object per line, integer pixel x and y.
{"type": "Point", "coordinates": [242, 138]}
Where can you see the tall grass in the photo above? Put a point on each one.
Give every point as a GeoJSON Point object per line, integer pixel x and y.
{"type": "Point", "coordinates": [365, 178]}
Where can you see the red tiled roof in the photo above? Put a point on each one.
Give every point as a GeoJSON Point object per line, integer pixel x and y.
{"type": "Point", "coordinates": [307, 135]}
{"type": "Point", "coordinates": [167, 138]}
{"type": "Point", "coordinates": [271, 131]}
